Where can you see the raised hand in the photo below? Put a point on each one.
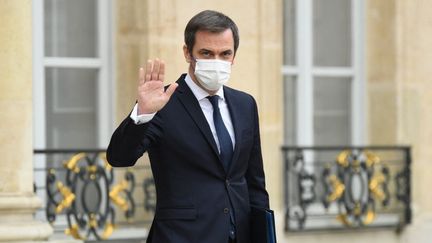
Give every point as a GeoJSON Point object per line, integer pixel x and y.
{"type": "Point", "coordinates": [151, 93]}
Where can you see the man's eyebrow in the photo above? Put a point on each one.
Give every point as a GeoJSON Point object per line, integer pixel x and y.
{"type": "Point", "coordinates": [205, 50]}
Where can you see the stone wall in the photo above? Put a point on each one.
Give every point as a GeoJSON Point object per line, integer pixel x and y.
{"type": "Point", "coordinates": [17, 201]}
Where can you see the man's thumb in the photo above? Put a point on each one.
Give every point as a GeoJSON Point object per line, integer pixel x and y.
{"type": "Point", "coordinates": [170, 90]}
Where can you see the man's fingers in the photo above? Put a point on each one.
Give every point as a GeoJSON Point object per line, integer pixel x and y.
{"type": "Point", "coordinates": [155, 71]}
{"type": "Point", "coordinates": [161, 75]}
{"type": "Point", "coordinates": [170, 90]}
{"type": "Point", "coordinates": [141, 76]}
{"type": "Point", "coordinates": [148, 71]}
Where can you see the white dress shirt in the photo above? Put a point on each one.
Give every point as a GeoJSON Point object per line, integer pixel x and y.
{"type": "Point", "coordinates": [206, 107]}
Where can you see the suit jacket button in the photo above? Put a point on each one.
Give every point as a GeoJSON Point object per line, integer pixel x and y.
{"type": "Point", "coordinates": [227, 182]}
{"type": "Point", "coordinates": [226, 210]}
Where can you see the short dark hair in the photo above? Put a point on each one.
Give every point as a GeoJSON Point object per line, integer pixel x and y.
{"type": "Point", "coordinates": [212, 21]}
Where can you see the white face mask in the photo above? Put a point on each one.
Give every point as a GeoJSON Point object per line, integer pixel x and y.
{"type": "Point", "coordinates": [212, 73]}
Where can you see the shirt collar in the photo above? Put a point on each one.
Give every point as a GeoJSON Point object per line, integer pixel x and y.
{"type": "Point", "coordinates": [199, 92]}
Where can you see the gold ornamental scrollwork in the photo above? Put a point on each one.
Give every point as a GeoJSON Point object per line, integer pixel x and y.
{"type": "Point", "coordinates": [338, 189]}
{"type": "Point", "coordinates": [90, 178]}
{"type": "Point", "coordinates": [72, 163]}
{"type": "Point", "coordinates": [116, 198]}
{"type": "Point", "coordinates": [68, 197]}
{"type": "Point", "coordinates": [367, 169]}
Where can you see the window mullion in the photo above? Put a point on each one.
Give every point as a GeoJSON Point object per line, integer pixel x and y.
{"type": "Point", "coordinates": [104, 82]}
{"type": "Point", "coordinates": [39, 138]}
{"type": "Point", "coordinates": [358, 114]}
{"type": "Point", "coordinates": [333, 72]}
{"type": "Point", "coordinates": [304, 86]}
{"type": "Point", "coordinates": [73, 62]}
{"type": "Point", "coordinates": [290, 70]}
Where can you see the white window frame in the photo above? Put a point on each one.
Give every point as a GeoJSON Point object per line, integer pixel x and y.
{"type": "Point", "coordinates": [305, 72]}
{"type": "Point", "coordinates": [105, 85]}
{"type": "Point", "coordinates": [102, 63]}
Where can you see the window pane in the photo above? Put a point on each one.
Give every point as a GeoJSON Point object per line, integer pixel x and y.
{"type": "Point", "coordinates": [289, 32]}
{"type": "Point", "coordinates": [290, 110]}
{"type": "Point", "coordinates": [332, 111]}
{"type": "Point", "coordinates": [332, 33]}
{"type": "Point", "coordinates": [72, 88]}
{"type": "Point", "coordinates": [70, 28]}
{"type": "Point", "coordinates": [71, 112]}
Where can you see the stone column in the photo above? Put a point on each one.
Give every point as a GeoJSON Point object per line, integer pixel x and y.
{"type": "Point", "coordinates": [17, 200]}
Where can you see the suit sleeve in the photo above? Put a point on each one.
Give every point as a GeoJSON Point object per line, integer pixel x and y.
{"type": "Point", "coordinates": [130, 141]}
{"type": "Point", "coordinates": [255, 177]}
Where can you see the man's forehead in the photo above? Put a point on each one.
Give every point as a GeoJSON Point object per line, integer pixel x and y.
{"type": "Point", "coordinates": [214, 40]}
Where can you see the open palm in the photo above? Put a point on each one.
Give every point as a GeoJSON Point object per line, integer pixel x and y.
{"type": "Point", "coordinates": [152, 95]}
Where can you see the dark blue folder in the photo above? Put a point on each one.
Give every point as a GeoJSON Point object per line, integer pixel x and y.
{"type": "Point", "coordinates": [262, 225]}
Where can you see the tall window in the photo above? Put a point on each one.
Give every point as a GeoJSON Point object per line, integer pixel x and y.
{"type": "Point", "coordinates": [72, 92]}
{"type": "Point", "coordinates": [72, 87]}
{"type": "Point", "coordinates": [323, 72]}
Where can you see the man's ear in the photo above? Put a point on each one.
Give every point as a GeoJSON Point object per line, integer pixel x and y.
{"type": "Point", "coordinates": [186, 54]}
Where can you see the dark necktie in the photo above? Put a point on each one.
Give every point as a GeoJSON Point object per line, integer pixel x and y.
{"type": "Point", "coordinates": [225, 143]}
{"type": "Point", "coordinates": [226, 148]}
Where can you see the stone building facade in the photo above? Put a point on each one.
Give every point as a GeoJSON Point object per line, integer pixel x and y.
{"type": "Point", "coordinates": [397, 81]}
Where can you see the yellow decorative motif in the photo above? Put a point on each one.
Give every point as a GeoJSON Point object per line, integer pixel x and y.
{"type": "Point", "coordinates": [370, 217]}
{"type": "Point", "coordinates": [371, 159]}
{"type": "Point", "coordinates": [374, 186]}
{"type": "Point", "coordinates": [343, 218]}
{"type": "Point", "coordinates": [68, 197]}
{"type": "Point", "coordinates": [114, 195]}
{"type": "Point", "coordinates": [93, 222]}
{"type": "Point", "coordinates": [109, 228]}
{"type": "Point", "coordinates": [357, 209]}
{"type": "Point", "coordinates": [356, 165]}
{"type": "Point", "coordinates": [342, 158]}
{"type": "Point", "coordinates": [72, 163]}
{"type": "Point", "coordinates": [92, 169]}
{"type": "Point", "coordinates": [106, 164]}
{"type": "Point", "coordinates": [73, 231]}
{"type": "Point", "coordinates": [52, 171]}
{"type": "Point", "coordinates": [338, 188]}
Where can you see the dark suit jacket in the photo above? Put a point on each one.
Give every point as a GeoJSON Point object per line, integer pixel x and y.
{"type": "Point", "coordinates": [193, 189]}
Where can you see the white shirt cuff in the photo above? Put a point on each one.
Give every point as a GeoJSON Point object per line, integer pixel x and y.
{"type": "Point", "coordinates": [140, 119]}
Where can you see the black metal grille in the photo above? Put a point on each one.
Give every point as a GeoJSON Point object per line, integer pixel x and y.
{"type": "Point", "coordinates": [329, 188]}
{"type": "Point", "coordinates": [88, 199]}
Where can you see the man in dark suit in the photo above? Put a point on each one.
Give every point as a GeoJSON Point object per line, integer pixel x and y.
{"type": "Point", "coordinates": [202, 139]}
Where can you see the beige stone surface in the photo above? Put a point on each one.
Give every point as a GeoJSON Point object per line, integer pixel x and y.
{"type": "Point", "coordinates": [15, 96]}
{"type": "Point", "coordinates": [17, 201]}
{"type": "Point", "coordinates": [381, 41]}
{"type": "Point", "coordinates": [415, 93]}
{"type": "Point", "coordinates": [15, 75]}
{"type": "Point", "coordinates": [24, 231]}
{"type": "Point", "coordinates": [399, 84]}
{"type": "Point", "coordinates": [270, 94]}
{"type": "Point", "coordinates": [404, 69]}
{"type": "Point", "coordinates": [382, 113]}
{"type": "Point", "coordinates": [16, 147]}
{"type": "Point", "coordinates": [16, 219]}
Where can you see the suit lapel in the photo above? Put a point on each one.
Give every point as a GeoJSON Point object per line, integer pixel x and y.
{"type": "Point", "coordinates": [234, 113]}
{"type": "Point", "coordinates": [192, 106]}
